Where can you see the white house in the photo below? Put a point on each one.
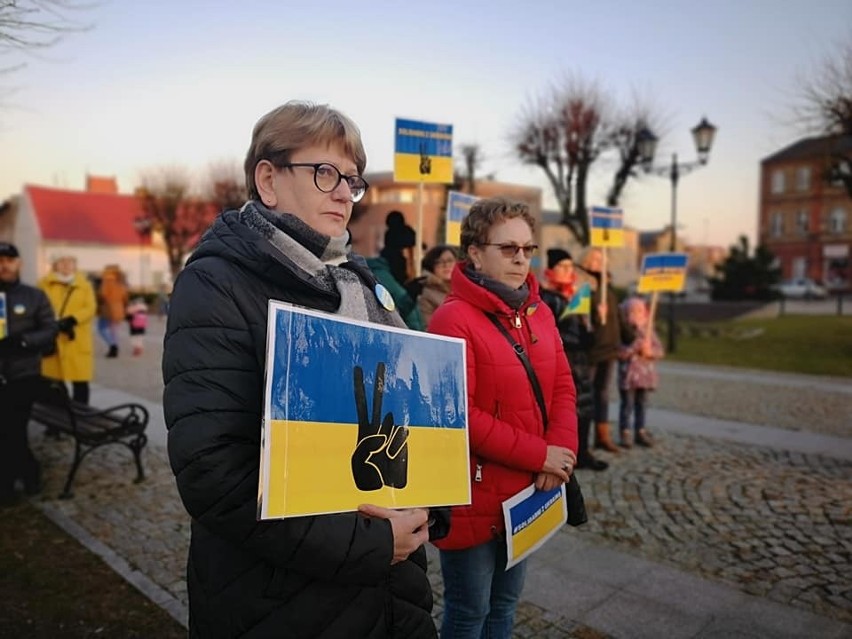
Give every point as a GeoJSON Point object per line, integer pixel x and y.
{"type": "Point", "coordinates": [97, 226]}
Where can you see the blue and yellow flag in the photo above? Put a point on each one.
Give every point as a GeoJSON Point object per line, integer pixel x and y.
{"type": "Point", "coordinates": [606, 225]}
{"type": "Point", "coordinates": [360, 413]}
{"type": "Point", "coordinates": [532, 517]}
{"type": "Point", "coordinates": [458, 206]}
{"type": "Point", "coordinates": [580, 303]}
{"type": "Point", "coordinates": [662, 272]}
{"type": "Point", "coordinates": [423, 152]}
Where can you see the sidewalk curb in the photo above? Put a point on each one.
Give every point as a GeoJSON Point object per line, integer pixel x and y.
{"type": "Point", "coordinates": [138, 579]}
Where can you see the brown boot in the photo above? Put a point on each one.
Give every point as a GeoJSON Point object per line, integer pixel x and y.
{"type": "Point", "coordinates": [602, 438]}
{"type": "Point", "coordinates": [626, 439]}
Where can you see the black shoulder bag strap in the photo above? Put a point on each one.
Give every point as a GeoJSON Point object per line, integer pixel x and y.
{"type": "Point", "coordinates": [575, 502]}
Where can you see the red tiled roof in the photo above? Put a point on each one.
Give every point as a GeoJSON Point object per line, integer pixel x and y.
{"type": "Point", "coordinates": [77, 216]}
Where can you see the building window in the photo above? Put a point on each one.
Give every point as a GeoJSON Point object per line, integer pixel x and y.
{"type": "Point", "coordinates": [777, 229]}
{"type": "Point", "coordinates": [799, 268]}
{"type": "Point", "coordinates": [778, 181]}
{"type": "Point", "coordinates": [803, 178]}
{"type": "Point", "coordinates": [837, 221]}
{"type": "Point", "coordinates": [802, 222]}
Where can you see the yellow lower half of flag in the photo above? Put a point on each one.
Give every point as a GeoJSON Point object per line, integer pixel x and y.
{"type": "Point", "coordinates": [528, 537]}
{"type": "Point", "coordinates": [607, 237]}
{"type": "Point", "coordinates": [453, 233]}
{"type": "Point", "coordinates": [406, 168]}
{"type": "Point", "coordinates": [662, 282]}
{"type": "Point", "coordinates": [310, 470]}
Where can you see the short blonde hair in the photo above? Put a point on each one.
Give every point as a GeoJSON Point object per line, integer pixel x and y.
{"type": "Point", "coordinates": [487, 212]}
{"type": "Point", "coordinates": [296, 125]}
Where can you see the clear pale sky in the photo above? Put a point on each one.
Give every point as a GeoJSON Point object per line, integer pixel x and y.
{"type": "Point", "coordinates": [174, 82]}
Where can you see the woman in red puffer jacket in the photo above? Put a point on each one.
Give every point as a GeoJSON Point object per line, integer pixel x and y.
{"type": "Point", "coordinates": [510, 448]}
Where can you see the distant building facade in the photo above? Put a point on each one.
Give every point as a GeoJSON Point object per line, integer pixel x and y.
{"type": "Point", "coordinates": [805, 220]}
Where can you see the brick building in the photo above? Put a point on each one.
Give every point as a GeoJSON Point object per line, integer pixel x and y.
{"type": "Point", "coordinates": [805, 219]}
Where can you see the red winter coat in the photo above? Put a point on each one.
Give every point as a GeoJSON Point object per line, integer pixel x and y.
{"type": "Point", "coordinates": [508, 442]}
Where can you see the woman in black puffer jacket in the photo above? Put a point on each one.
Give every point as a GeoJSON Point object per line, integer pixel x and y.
{"type": "Point", "coordinates": [329, 576]}
{"type": "Point", "coordinates": [577, 340]}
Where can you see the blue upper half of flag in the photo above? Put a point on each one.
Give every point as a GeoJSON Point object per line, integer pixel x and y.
{"type": "Point", "coordinates": [668, 261]}
{"type": "Point", "coordinates": [313, 372]}
{"type": "Point", "coordinates": [532, 505]}
{"type": "Point", "coordinates": [607, 222]}
{"type": "Point", "coordinates": [423, 138]}
{"type": "Point", "coordinates": [458, 205]}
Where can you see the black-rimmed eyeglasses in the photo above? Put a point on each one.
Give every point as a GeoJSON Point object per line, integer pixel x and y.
{"type": "Point", "coordinates": [511, 250]}
{"type": "Point", "coordinates": [327, 177]}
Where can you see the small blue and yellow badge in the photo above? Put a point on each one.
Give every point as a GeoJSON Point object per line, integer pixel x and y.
{"type": "Point", "coordinates": [532, 308]}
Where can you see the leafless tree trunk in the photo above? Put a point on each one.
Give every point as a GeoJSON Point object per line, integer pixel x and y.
{"type": "Point", "coordinates": [472, 155]}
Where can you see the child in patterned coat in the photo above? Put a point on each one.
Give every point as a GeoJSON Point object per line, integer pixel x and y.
{"type": "Point", "coordinates": [637, 371]}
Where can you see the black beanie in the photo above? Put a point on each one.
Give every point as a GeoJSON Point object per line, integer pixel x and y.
{"type": "Point", "coordinates": [556, 255]}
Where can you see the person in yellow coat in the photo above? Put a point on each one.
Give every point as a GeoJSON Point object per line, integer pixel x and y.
{"type": "Point", "coordinates": [73, 300]}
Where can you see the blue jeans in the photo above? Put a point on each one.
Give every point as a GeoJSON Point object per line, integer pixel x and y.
{"type": "Point", "coordinates": [480, 595]}
{"type": "Point", "coordinates": [632, 401]}
{"type": "Point", "coordinates": [106, 329]}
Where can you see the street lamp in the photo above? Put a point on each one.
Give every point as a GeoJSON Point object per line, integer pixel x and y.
{"type": "Point", "coordinates": [703, 134]}
{"type": "Point", "coordinates": [143, 228]}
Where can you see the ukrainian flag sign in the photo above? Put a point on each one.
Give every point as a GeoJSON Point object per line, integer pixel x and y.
{"type": "Point", "coordinates": [4, 331]}
{"type": "Point", "coordinates": [360, 413]}
{"type": "Point", "coordinates": [580, 303]}
{"type": "Point", "coordinates": [662, 272]}
{"type": "Point", "coordinates": [532, 517]}
{"type": "Point", "coordinates": [423, 152]}
{"type": "Point", "coordinates": [607, 226]}
{"type": "Point", "coordinates": [458, 206]}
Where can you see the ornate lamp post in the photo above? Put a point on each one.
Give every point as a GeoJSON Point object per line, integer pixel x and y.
{"type": "Point", "coordinates": [703, 134]}
{"type": "Point", "coordinates": [143, 227]}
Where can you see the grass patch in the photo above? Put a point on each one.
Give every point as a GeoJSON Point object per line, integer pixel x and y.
{"type": "Point", "coordinates": [51, 586]}
{"type": "Point", "coordinates": [816, 345]}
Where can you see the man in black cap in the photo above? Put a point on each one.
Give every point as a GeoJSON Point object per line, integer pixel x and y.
{"type": "Point", "coordinates": [559, 286]}
{"type": "Point", "coordinates": [27, 330]}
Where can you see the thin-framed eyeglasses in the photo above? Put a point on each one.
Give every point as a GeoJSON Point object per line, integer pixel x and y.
{"type": "Point", "coordinates": [327, 177]}
{"type": "Point", "coordinates": [509, 250]}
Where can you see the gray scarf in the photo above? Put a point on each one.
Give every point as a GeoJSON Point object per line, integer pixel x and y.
{"type": "Point", "coordinates": [313, 257]}
{"type": "Point", "coordinates": [514, 297]}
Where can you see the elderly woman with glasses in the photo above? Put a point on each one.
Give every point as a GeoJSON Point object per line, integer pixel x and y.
{"type": "Point", "coordinates": [339, 575]}
{"type": "Point", "coordinates": [512, 443]}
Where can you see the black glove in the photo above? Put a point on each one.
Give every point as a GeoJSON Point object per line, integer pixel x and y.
{"type": "Point", "coordinates": [415, 286]}
{"type": "Point", "coordinates": [66, 325]}
{"type": "Point", "coordinates": [439, 523]}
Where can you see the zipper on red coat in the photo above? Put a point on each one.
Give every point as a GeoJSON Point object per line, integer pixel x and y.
{"type": "Point", "coordinates": [478, 475]}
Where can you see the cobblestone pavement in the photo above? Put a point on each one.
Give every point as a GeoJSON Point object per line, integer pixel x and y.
{"type": "Point", "coordinates": [766, 521]}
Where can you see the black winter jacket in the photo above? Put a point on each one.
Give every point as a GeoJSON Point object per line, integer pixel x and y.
{"type": "Point", "coordinates": [323, 576]}
{"type": "Point", "coordinates": [576, 341]}
{"type": "Point", "coordinates": [31, 330]}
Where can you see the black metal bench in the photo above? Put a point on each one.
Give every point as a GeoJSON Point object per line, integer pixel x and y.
{"type": "Point", "coordinates": [90, 427]}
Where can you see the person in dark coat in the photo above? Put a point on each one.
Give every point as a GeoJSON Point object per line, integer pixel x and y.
{"type": "Point", "coordinates": [28, 331]}
{"type": "Point", "coordinates": [577, 339]}
{"type": "Point", "coordinates": [400, 240]}
{"type": "Point", "coordinates": [353, 574]}
{"type": "Point", "coordinates": [604, 353]}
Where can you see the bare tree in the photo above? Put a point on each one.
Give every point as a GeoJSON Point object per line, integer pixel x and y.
{"type": "Point", "coordinates": [564, 133]}
{"type": "Point", "coordinates": [27, 26]}
{"type": "Point", "coordinates": [824, 106]}
{"type": "Point", "coordinates": [169, 208]}
{"type": "Point", "coordinates": [629, 124]}
{"type": "Point", "coordinates": [472, 157]}
{"type": "Point", "coordinates": [226, 185]}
